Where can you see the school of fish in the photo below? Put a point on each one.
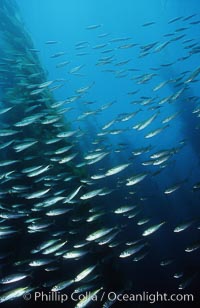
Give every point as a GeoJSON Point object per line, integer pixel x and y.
{"type": "Point", "coordinates": [71, 191]}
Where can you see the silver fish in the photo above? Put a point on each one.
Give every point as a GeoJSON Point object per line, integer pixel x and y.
{"type": "Point", "coordinates": [153, 229]}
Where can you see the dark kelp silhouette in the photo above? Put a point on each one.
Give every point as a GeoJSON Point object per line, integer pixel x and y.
{"type": "Point", "coordinates": [30, 124]}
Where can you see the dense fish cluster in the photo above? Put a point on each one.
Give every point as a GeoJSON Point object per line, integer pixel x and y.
{"type": "Point", "coordinates": [67, 214]}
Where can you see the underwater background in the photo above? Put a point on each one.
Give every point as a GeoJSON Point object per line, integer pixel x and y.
{"type": "Point", "coordinates": [102, 128]}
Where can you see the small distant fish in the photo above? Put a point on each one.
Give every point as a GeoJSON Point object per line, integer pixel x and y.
{"type": "Point", "coordinates": [153, 229]}
{"type": "Point", "coordinates": [50, 119]}
{"type": "Point", "coordinates": [37, 226]}
{"type": "Point", "coordinates": [181, 29]}
{"type": "Point", "coordinates": [51, 201]}
{"type": "Point", "coordinates": [127, 46]}
{"type": "Point", "coordinates": [160, 85]}
{"type": "Point", "coordinates": [14, 293]}
{"type": "Point", "coordinates": [83, 288]}
{"type": "Point", "coordinates": [37, 194]}
{"type": "Point", "coordinates": [103, 35]}
{"type": "Point", "coordinates": [143, 221]}
{"type": "Point", "coordinates": [45, 84]}
{"type": "Point", "coordinates": [91, 194]}
{"type": "Point", "coordinates": [46, 244]}
{"type": "Point", "coordinates": [186, 281]}
{"type": "Point", "coordinates": [148, 24]}
{"type": "Point", "coordinates": [93, 155]}
{"type": "Point", "coordinates": [72, 194]}
{"type": "Point", "coordinates": [132, 250]}
{"type": "Point", "coordinates": [156, 132]}
{"type": "Point", "coordinates": [161, 160]}
{"type": "Point", "coordinates": [12, 215]}
{"type": "Point", "coordinates": [174, 19]}
{"type": "Point", "coordinates": [74, 254]}
{"type": "Point", "coordinates": [84, 273]}
{"type": "Point", "coordinates": [40, 262]}
{"type": "Point", "coordinates": [99, 46]}
{"type": "Point", "coordinates": [53, 248]}
{"type": "Point", "coordinates": [51, 42]}
{"type": "Point", "coordinates": [168, 119]}
{"type": "Point", "coordinates": [108, 238]}
{"type": "Point", "coordinates": [84, 89]}
{"type": "Point", "coordinates": [68, 158]}
{"type": "Point", "coordinates": [116, 169]}
{"type": "Point", "coordinates": [136, 179]}
{"type": "Point", "coordinates": [35, 171]}
{"type": "Point", "coordinates": [183, 226]}
{"type": "Point", "coordinates": [124, 209]}
{"type": "Point", "coordinates": [196, 187]}
{"type": "Point", "coordinates": [23, 146]}
{"type": "Point", "coordinates": [94, 217]}
{"type": "Point", "coordinates": [87, 299]}
{"type": "Point", "coordinates": [8, 132]}
{"type": "Point", "coordinates": [7, 233]}
{"type": "Point", "coordinates": [176, 38]}
{"type": "Point", "coordinates": [37, 91]}
{"type": "Point", "coordinates": [120, 39]}
{"type": "Point", "coordinates": [4, 110]}
{"type": "Point", "coordinates": [6, 144]}
{"type": "Point", "coordinates": [92, 27]}
{"type": "Point", "coordinates": [76, 69]}
{"type": "Point", "coordinates": [146, 123]}
{"type": "Point", "coordinates": [62, 285]}
{"type": "Point", "coordinates": [173, 188]}
{"type": "Point", "coordinates": [55, 87]}
{"type": "Point", "coordinates": [62, 64]}
{"type": "Point", "coordinates": [162, 46]}
{"type": "Point", "coordinates": [13, 278]}
{"type": "Point", "coordinates": [193, 75]}
{"type": "Point", "coordinates": [141, 150]}
{"type": "Point", "coordinates": [8, 162]}
{"type": "Point", "coordinates": [178, 275]}
{"type": "Point", "coordinates": [82, 43]}
{"type": "Point", "coordinates": [82, 53]}
{"type": "Point", "coordinates": [193, 247]}
{"type": "Point", "coordinates": [97, 159]}
{"type": "Point", "coordinates": [189, 17]}
{"type": "Point", "coordinates": [97, 234]}
{"type": "Point", "coordinates": [166, 262]}
{"type": "Point", "coordinates": [29, 120]}
{"type": "Point", "coordinates": [58, 54]}
{"type": "Point", "coordinates": [195, 22]}
{"type": "Point", "coordinates": [140, 256]}
{"type": "Point", "coordinates": [66, 134]}
{"type": "Point", "coordinates": [108, 124]}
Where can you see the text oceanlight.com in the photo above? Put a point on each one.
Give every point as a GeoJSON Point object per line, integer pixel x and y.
{"type": "Point", "coordinates": [110, 296]}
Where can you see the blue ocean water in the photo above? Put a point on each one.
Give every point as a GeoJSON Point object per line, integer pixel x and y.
{"type": "Point", "coordinates": [115, 74]}
{"type": "Point", "coordinates": [67, 22]}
